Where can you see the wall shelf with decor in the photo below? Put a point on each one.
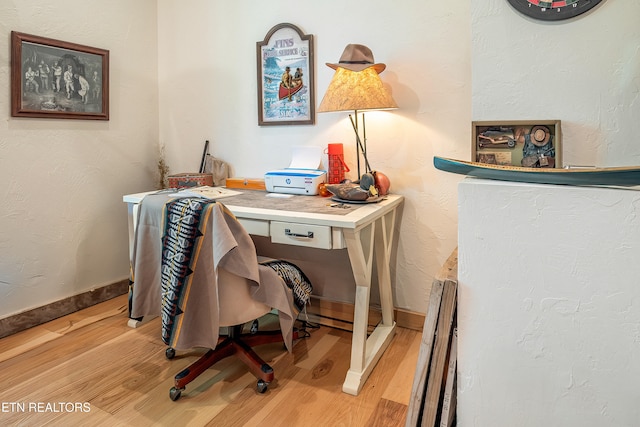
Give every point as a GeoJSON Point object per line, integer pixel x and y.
{"type": "Point", "coordinates": [526, 143]}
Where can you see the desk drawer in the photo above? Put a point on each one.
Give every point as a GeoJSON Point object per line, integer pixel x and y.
{"type": "Point", "coordinates": [256, 227]}
{"type": "Point", "coordinates": [313, 236]}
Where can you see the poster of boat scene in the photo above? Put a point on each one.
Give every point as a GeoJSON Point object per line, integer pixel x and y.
{"type": "Point", "coordinates": [286, 80]}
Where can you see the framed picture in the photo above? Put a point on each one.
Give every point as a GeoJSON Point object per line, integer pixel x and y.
{"type": "Point", "coordinates": [286, 77]}
{"type": "Point", "coordinates": [56, 79]}
{"type": "Point", "coordinates": [534, 144]}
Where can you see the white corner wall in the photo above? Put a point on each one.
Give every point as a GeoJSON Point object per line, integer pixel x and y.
{"type": "Point", "coordinates": [548, 318]}
{"type": "Point", "coordinates": [63, 226]}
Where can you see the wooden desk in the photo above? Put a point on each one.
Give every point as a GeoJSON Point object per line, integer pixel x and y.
{"type": "Point", "coordinates": [366, 231]}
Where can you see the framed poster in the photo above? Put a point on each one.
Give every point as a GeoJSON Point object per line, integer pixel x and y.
{"type": "Point", "coordinates": [55, 79]}
{"type": "Point", "coordinates": [285, 77]}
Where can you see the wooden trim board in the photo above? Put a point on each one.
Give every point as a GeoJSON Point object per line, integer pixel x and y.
{"type": "Point", "coordinates": [334, 314]}
{"type": "Point", "coordinates": [30, 318]}
{"type": "Point", "coordinates": [339, 315]}
{"type": "Point", "coordinates": [450, 396]}
{"type": "Point", "coordinates": [416, 404]}
{"type": "Point", "coordinates": [437, 355]}
{"type": "Point", "coordinates": [438, 366]}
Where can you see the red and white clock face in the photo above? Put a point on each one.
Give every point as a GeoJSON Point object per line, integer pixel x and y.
{"type": "Point", "coordinates": [553, 10]}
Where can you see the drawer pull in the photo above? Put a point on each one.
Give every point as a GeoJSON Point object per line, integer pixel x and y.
{"type": "Point", "coordinates": [288, 232]}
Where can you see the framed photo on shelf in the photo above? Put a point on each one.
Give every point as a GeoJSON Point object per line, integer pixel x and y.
{"type": "Point", "coordinates": [56, 79]}
{"type": "Point", "coordinates": [285, 60]}
{"type": "Point", "coordinates": [534, 144]}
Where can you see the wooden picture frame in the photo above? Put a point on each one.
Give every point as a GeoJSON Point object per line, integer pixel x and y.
{"type": "Point", "coordinates": [286, 84]}
{"type": "Point", "coordinates": [525, 143]}
{"type": "Point", "coordinates": [56, 79]}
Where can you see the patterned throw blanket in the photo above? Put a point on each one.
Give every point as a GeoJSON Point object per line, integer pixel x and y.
{"type": "Point", "coordinates": [295, 280]}
{"type": "Point", "coordinates": [181, 242]}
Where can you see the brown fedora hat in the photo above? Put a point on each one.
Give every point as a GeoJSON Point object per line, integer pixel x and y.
{"type": "Point", "coordinates": [357, 57]}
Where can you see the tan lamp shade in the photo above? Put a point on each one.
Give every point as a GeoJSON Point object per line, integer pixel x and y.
{"type": "Point", "coordinates": [356, 90]}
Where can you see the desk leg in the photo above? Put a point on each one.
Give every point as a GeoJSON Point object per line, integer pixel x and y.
{"type": "Point", "coordinates": [383, 246]}
{"type": "Point", "coordinates": [132, 213]}
{"type": "Point", "coordinates": [365, 352]}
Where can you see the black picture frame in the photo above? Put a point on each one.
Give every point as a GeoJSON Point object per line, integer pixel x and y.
{"type": "Point", "coordinates": [285, 96]}
{"type": "Point", "coordinates": [57, 79]}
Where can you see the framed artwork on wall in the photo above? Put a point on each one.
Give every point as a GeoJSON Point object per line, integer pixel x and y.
{"type": "Point", "coordinates": [56, 79]}
{"type": "Point", "coordinates": [533, 144]}
{"type": "Point", "coordinates": [285, 60]}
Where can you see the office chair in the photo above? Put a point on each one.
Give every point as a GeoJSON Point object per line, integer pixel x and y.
{"type": "Point", "coordinates": [204, 274]}
{"type": "Point", "coordinates": [237, 309]}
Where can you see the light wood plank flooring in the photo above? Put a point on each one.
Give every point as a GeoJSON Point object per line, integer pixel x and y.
{"type": "Point", "coordinates": [90, 369]}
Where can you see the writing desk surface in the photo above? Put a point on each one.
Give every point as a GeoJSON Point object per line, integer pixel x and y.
{"type": "Point", "coordinates": [255, 204]}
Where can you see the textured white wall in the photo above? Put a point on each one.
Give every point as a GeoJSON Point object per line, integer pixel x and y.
{"type": "Point", "coordinates": [548, 319]}
{"type": "Point", "coordinates": [584, 72]}
{"type": "Point", "coordinates": [63, 226]}
{"type": "Point", "coordinates": [208, 90]}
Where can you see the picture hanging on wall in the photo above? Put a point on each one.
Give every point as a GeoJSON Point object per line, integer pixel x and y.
{"type": "Point", "coordinates": [285, 62]}
{"type": "Point", "coordinates": [533, 144]}
{"type": "Point", "coordinates": [56, 79]}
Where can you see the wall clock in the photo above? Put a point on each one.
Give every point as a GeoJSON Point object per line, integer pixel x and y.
{"type": "Point", "coordinates": [553, 10]}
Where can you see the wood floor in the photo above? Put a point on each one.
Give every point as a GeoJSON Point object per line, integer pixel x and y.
{"type": "Point", "coordinates": [90, 369]}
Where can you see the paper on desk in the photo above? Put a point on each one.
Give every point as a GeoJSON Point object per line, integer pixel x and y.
{"type": "Point", "coordinates": [303, 157]}
{"type": "Point", "coordinates": [206, 192]}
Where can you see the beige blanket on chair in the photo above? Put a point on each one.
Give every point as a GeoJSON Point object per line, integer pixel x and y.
{"type": "Point", "coordinates": [224, 243]}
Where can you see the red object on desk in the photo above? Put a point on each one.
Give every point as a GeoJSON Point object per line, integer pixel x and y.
{"type": "Point", "coordinates": [337, 166]}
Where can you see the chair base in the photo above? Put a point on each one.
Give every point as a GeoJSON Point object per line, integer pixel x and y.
{"type": "Point", "coordinates": [237, 344]}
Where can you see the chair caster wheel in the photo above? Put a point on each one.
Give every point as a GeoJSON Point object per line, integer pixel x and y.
{"type": "Point", "coordinates": [175, 393]}
{"type": "Point", "coordinates": [262, 386]}
{"type": "Point", "coordinates": [170, 353]}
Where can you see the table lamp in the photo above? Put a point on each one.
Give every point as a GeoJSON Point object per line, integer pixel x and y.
{"type": "Point", "coordinates": [356, 85]}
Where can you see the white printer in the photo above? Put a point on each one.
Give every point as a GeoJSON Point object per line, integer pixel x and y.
{"type": "Point", "coordinates": [295, 181]}
{"type": "Point", "coordinates": [302, 176]}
